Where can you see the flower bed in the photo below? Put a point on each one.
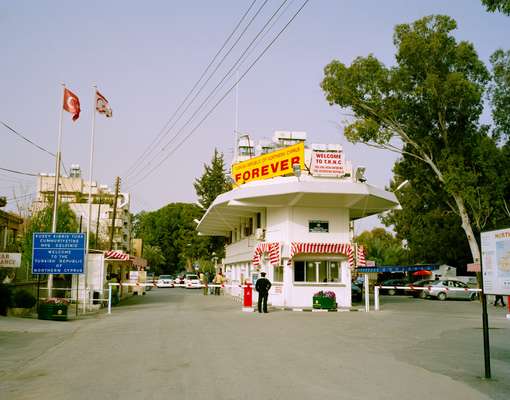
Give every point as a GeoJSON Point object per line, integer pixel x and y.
{"type": "Point", "coordinates": [53, 308]}
{"type": "Point", "coordinates": [325, 300]}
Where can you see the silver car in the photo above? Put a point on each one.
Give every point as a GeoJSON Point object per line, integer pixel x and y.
{"type": "Point", "coordinates": [449, 289]}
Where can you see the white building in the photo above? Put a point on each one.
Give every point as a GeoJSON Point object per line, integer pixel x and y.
{"type": "Point", "coordinates": [291, 216]}
{"type": "Point", "coordinates": [74, 191]}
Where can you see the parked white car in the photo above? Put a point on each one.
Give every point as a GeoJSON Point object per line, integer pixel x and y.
{"type": "Point", "coordinates": [449, 289]}
{"type": "Point", "coordinates": [191, 281]}
{"type": "Point", "coordinates": [165, 281]}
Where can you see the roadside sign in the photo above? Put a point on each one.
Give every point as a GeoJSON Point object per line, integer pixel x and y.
{"type": "Point", "coordinates": [58, 253]}
{"type": "Point", "coordinates": [496, 261]}
{"type": "Point", "coordinates": [10, 260]}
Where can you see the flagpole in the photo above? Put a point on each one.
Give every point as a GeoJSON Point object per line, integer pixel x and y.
{"type": "Point", "coordinates": [91, 166]}
{"type": "Point", "coordinates": [57, 181]}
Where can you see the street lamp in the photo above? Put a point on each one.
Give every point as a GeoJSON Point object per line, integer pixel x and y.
{"type": "Point", "coordinates": [296, 169]}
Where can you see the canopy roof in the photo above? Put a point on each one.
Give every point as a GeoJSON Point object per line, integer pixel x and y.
{"type": "Point", "coordinates": [226, 211]}
{"type": "Point", "coordinates": [397, 268]}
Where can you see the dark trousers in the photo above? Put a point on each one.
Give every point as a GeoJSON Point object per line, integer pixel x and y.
{"type": "Point", "coordinates": [262, 303]}
{"type": "Point", "coordinates": [499, 298]}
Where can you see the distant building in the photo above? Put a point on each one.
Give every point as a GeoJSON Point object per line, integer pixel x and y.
{"type": "Point", "coordinates": [74, 190]}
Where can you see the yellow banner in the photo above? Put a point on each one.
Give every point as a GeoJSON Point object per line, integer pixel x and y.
{"type": "Point", "coordinates": [269, 165]}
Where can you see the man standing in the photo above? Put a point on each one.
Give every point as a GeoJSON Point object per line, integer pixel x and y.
{"type": "Point", "coordinates": [262, 287]}
{"type": "Point", "coordinates": [204, 282]}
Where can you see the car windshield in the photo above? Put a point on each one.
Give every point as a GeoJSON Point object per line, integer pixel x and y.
{"type": "Point", "coordinates": [191, 277]}
{"type": "Point", "coordinates": [165, 277]}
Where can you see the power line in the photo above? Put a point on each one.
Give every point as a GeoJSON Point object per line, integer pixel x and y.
{"type": "Point", "coordinates": [213, 91]}
{"type": "Point", "coordinates": [21, 197]}
{"type": "Point", "coordinates": [18, 172]}
{"type": "Point", "coordinates": [13, 131]}
{"type": "Point", "coordinates": [223, 97]}
{"type": "Point", "coordinates": [162, 133]}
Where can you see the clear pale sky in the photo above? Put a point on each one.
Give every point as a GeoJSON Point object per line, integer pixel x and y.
{"type": "Point", "coordinates": [146, 56]}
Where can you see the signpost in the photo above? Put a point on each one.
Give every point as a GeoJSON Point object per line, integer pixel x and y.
{"type": "Point", "coordinates": [496, 262]}
{"type": "Point", "coordinates": [58, 253]}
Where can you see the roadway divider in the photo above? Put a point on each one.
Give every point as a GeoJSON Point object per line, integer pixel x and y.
{"type": "Point", "coordinates": [377, 288]}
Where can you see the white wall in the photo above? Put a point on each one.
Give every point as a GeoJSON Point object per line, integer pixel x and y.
{"type": "Point", "coordinates": [290, 224]}
{"type": "Point", "coordinates": [338, 219]}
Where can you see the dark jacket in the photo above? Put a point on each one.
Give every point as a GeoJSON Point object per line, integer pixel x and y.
{"type": "Point", "coordinates": [263, 285]}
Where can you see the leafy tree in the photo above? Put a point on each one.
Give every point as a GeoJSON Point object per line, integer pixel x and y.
{"type": "Point", "coordinates": [172, 229]}
{"type": "Point", "coordinates": [213, 182]}
{"type": "Point", "coordinates": [42, 222]}
{"type": "Point", "coordinates": [426, 108]}
{"type": "Point", "coordinates": [154, 256]}
{"type": "Point", "coordinates": [383, 248]}
{"type": "Point", "coordinates": [425, 221]}
{"type": "Point", "coordinates": [497, 5]}
{"type": "Point", "coordinates": [499, 93]}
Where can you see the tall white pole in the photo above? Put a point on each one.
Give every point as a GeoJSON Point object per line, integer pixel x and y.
{"type": "Point", "coordinates": [57, 180]}
{"type": "Point", "coordinates": [236, 117]}
{"type": "Point", "coordinates": [91, 166]}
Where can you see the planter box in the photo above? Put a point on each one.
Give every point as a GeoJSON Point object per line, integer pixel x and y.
{"type": "Point", "coordinates": [324, 303]}
{"type": "Point", "coordinates": [56, 312]}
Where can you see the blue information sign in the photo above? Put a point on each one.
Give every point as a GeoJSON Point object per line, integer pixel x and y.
{"type": "Point", "coordinates": [58, 253]}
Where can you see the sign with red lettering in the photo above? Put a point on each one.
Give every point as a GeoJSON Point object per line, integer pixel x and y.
{"type": "Point", "coordinates": [269, 165]}
{"type": "Point", "coordinates": [327, 163]}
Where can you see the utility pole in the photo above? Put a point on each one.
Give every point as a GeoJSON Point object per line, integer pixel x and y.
{"type": "Point", "coordinates": [97, 221]}
{"type": "Point", "coordinates": [117, 185]}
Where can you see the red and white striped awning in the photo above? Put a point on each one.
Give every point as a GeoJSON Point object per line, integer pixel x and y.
{"type": "Point", "coordinates": [273, 249]}
{"type": "Point", "coordinates": [115, 255]}
{"type": "Point", "coordinates": [323, 248]}
{"type": "Point", "coordinates": [361, 260]}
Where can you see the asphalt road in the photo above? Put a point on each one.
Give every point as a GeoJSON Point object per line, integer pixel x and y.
{"type": "Point", "coordinates": [178, 344]}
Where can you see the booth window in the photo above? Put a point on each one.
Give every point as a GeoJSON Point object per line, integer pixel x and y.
{"type": "Point", "coordinates": [312, 271]}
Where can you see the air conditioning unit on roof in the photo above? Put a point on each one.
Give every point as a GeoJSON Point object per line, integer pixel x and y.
{"type": "Point", "coordinates": [260, 234]}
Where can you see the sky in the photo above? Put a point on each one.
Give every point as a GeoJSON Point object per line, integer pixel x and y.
{"type": "Point", "coordinates": [145, 57]}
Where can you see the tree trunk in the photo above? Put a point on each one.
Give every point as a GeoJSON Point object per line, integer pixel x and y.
{"type": "Point", "coordinates": [466, 225]}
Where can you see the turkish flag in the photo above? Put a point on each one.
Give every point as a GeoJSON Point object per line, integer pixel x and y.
{"type": "Point", "coordinates": [72, 104]}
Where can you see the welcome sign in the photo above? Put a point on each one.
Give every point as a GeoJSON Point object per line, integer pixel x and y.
{"type": "Point", "coordinates": [269, 165]}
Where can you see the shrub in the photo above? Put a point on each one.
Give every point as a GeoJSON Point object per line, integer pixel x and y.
{"type": "Point", "coordinates": [5, 298]}
{"type": "Point", "coordinates": [24, 299]}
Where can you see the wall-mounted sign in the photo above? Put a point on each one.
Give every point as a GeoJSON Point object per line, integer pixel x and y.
{"type": "Point", "coordinates": [58, 253]}
{"type": "Point", "coordinates": [269, 165]}
{"type": "Point", "coordinates": [315, 226]}
{"type": "Point", "coordinates": [10, 260]}
{"type": "Point", "coordinates": [496, 261]}
{"type": "Point", "coordinates": [327, 163]}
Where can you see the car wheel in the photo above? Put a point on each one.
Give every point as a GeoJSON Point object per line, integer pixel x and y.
{"type": "Point", "coordinates": [422, 294]}
{"type": "Point", "coordinates": [473, 296]}
{"type": "Point", "coordinates": [391, 292]}
{"type": "Point", "coordinates": [441, 296]}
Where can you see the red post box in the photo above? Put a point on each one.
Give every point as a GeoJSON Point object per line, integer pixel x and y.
{"type": "Point", "coordinates": [247, 295]}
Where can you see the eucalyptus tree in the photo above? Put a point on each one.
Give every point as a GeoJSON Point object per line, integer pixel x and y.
{"type": "Point", "coordinates": [427, 108]}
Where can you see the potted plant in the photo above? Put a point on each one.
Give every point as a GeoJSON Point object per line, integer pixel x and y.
{"type": "Point", "coordinates": [53, 308]}
{"type": "Point", "coordinates": [324, 299]}
{"type": "Point", "coordinates": [23, 302]}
